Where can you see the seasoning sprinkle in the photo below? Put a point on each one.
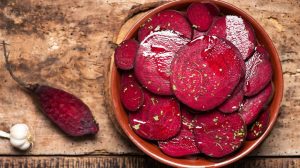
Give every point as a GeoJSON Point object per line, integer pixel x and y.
{"type": "Point", "coordinates": [137, 126]}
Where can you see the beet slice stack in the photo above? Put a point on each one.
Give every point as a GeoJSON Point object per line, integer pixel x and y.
{"type": "Point", "coordinates": [253, 105]}
{"type": "Point", "coordinates": [236, 30]}
{"type": "Point", "coordinates": [184, 142]}
{"type": "Point", "coordinates": [152, 64]}
{"type": "Point", "coordinates": [258, 71]}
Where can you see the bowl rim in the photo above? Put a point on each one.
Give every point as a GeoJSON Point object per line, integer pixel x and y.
{"type": "Point", "coordinates": [275, 64]}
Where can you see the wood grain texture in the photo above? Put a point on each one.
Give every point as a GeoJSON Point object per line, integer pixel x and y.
{"type": "Point", "coordinates": [131, 162]}
{"type": "Point", "coordinates": [67, 44]}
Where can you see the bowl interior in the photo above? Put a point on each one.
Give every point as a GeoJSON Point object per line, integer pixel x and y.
{"type": "Point", "coordinates": [150, 148]}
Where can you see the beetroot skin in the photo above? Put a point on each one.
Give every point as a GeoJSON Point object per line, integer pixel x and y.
{"type": "Point", "coordinates": [166, 20]}
{"type": "Point", "coordinates": [205, 72]}
{"type": "Point", "coordinates": [234, 102]}
{"type": "Point", "coordinates": [258, 71]}
{"type": "Point", "coordinates": [253, 105]}
{"type": "Point", "coordinates": [125, 54]}
{"type": "Point", "coordinates": [183, 143]}
{"type": "Point", "coordinates": [158, 119]}
{"type": "Point", "coordinates": [153, 61]}
{"type": "Point", "coordinates": [218, 134]}
{"type": "Point", "coordinates": [132, 95]}
{"type": "Point", "coordinates": [201, 15]}
{"type": "Point", "coordinates": [259, 126]}
{"type": "Point", "coordinates": [237, 31]}
{"type": "Point", "coordinates": [68, 112]}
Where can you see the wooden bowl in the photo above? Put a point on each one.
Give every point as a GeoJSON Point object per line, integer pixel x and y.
{"type": "Point", "coordinates": [151, 149]}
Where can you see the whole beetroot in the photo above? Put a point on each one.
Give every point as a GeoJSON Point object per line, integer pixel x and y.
{"type": "Point", "coordinates": [67, 111]}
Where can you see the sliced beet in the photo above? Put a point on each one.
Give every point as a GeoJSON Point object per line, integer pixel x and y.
{"type": "Point", "coordinates": [234, 102]}
{"type": "Point", "coordinates": [259, 126]}
{"type": "Point", "coordinates": [258, 71]}
{"type": "Point", "coordinates": [205, 72]}
{"type": "Point", "coordinates": [197, 34]}
{"type": "Point", "coordinates": [213, 9]}
{"type": "Point", "coordinates": [253, 105]}
{"type": "Point", "coordinates": [236, 30]}
{"type": "Point", "coordinates": [166, 20]}
{"type": "Point", "coordinates": [125, 54]}
{"type": "Point", "coordinates": [201, 15]}
{"type": "Point", "coordinates": [132, 96]}
{"type": "Point", "coordinates": [218, 134]}
{"type": "Point", "coordinates": [183, 143]}
{"type": "Point", "coordinates": [158, 119]}
{"type": "Point", "coordinates": [153, 61]}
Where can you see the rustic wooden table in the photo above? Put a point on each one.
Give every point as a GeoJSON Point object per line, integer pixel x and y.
{"type": "Point", "coordinates": [67, 44]}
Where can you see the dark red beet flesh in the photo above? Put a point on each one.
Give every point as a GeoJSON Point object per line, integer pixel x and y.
{"type": "Point", "coordinates": [259, 126]}
{"type": "Point", "coordinates": [253, 105]}
{"type": "Point", "coordinates": [218, 134]}
{"type": "Point", "coordinates": [166, 20]}
{"type": "Point", "coordinates": [258, 71]}
{"type": "Point", "coordinates": [205, 72]}
{"type": "Point", "coordinates": [234, 102]}
{"type": "Point", "coordinates": [158, 119]}
{"type": "Point", "coordinates": [201, 15]}
{"type": "Point", "coordinates": [68, 112]}
{"type": "Point", "coordinates": [132, 95]}
{"type": "Point", "coordinates": [237, 31]}
{"type": "Point", "coordinates": [183, 143]}
{"type": "Point", "coordinates": [153, 61]}
{"type": "Point", "coordinates": [125, 54]}
{"type": "Point", "coordinates": [213, 9]}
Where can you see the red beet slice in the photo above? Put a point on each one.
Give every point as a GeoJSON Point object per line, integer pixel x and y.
{"type": "Point", "coordinates": [234, 102]}
{"type": "Point", "coordinates": [197, 34]}
{"type": "Point", "coordinates": [132, 96]}
{"type": "Point", "coordinates": [205, 72]}
{"type": "Point", "coordinates": [253, 105]}
{"type": "Point", "coordinates": [166, 20]}
{"type": "Point", "coordinates": [153, 61]}
{"type": "Point", "coordinates": [259, 126]}
{"type": "Point", "coordinates": [213, 9]}
{"type": "Point", "coordinates": [158, 119]}
{"type": "Point", "coordinates": [258, 71]}
{"type": "Point", "coordinates": [218, 134]}
{"type": "Point", "coordinates": [125, 54]}
{"type": "Point", "coordinates": [183, 143]}
{"type": "Point", "coordinates": [201, 15]}
{"type": "Point", "coordinates": [236, 30]}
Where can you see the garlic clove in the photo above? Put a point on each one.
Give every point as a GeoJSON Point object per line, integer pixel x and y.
{"type": "Point", "coordinates": [19, 131]}
{"type": "Point", "coordinates": [17, 142]}
{"type": "Point", "coordinates": [25, 146]}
